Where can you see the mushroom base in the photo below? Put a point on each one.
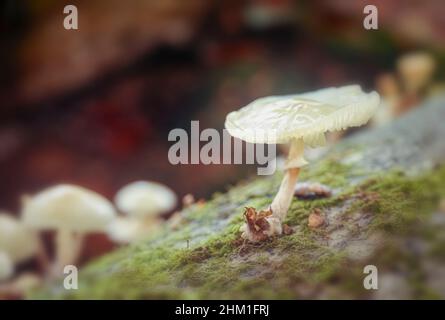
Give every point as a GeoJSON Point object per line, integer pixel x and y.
{"type": "Point", "coordinates": [260, 225]}
{"type": "Point", "coordinates": [266, 223]}
{"type": "Point", "coordinates": [69, 245]}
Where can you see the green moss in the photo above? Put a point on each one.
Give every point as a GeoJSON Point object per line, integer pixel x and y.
{"type": "Point", "coordinates": [205, 258]}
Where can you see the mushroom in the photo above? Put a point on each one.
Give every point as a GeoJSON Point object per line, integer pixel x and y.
{"type": "Point", "coordinates": [127, 229]}
{"type": "Point", "coordinates": [20, 285]}
{"type": "Point", "coordinates": [143, 202]}
{"type": "Point", "coordinates": [6, 266]}
{"type": "Point", "coordinates": [16, 239]}
{"type": "Point", "coordinates": [416, 70]}
{"type": "Point", "coordinates": [388, 88]}
{"type": "Point", "coordinates": [188, 200]}
{"type": "Point", "coordinates": [298, 120]}
{"type": "Point", "coordinates": [72, 212]}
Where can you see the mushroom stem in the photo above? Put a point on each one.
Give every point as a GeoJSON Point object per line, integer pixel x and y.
{"type": "Point", "coordinates": [68, 246]}
{"type": "Point", "coordinates": [267, 223]}
{"type": "Point", "coordinates": [42, 256]}
{"type": "Point", "coordinates": [283, 198]}
{"type": "Point", "coordinates": [150, 221]}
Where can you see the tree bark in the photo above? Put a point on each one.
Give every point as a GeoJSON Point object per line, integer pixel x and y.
{"type": "Point", "coordinates": [386, 185]}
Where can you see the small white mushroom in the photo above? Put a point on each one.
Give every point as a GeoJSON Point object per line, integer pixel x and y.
{"type": "Point", "coordinates": [127, 229]}
{"type": "Point", "coordinates": [143, 202]}
{"type": "Point", "coordinates": [416, 70]}
{"type": "Point", "coordinates": [6, 266]}
{"type": "Point", "coordinates": [388, 88]}
{"type": "Point", "coordinates": [26, 281]}
{"type": "Point", "coordinates": [299, 120]}
{"type": "Point", "coordinates": [20, 285]}
{"type": "Point", "coordinates": [17, 240]}
{"type": "Point", "coordinates": [145, 199]}
{"type": "Point", "coordinates": [72, 212]}
{"type": "Point", "coordinates": [188, 200]}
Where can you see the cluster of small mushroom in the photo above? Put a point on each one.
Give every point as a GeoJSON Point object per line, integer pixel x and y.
{"type": "Point", "coordinates": [72, 212]}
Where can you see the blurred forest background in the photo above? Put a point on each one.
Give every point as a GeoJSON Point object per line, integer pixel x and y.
{"type": "Point", "coordinates": [94, 106]}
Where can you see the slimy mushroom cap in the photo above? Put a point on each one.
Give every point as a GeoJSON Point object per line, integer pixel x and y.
{"type": "Point", "coordinates": [307, 116]}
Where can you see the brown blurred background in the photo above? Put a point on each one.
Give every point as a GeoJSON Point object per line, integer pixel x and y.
{"type": "Point", "coordinates": [94, 106]}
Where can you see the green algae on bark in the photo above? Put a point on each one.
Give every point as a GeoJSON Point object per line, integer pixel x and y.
{"type": "Point", "coordinates": [206, 259]}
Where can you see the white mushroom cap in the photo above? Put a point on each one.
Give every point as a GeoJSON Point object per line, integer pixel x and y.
{"type": "Point", "coordinates": [127, 230]}
{"type": "Point", "coordinates": [6, 266]}
{"type": "Point", "coordinates": [144, 198]}
{"type": "Point", "coordinates": [16, 239]}
{"type": "Point", "coordinates": [416, 69]}
{"type": "Point", "coordinates": [307, 116]}
{"type": "Point", "coordinates": [26, 281]}
{"type": "Point", "coordinates": [68, 207]}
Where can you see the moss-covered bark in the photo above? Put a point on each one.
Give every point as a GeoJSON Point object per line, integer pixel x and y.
{"type": "Point", "coordinates": [386, 183]}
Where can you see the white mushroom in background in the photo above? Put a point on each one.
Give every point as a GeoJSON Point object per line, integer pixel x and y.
{"type": "Point", "coordinates": [17, 240]}
{"type": "Point", "coordinates": [126, 229]}
{"type": "Point", "coordinates": [142, 202]}
{"type": "Point", "coordinates": [72, 212]}
{"type": "Point", "coordinates": [416, 71]}
{"type": "Point", "coordinates": [188, 200]}
{"type": "Point", "coordinates": [20, 285]}
{"type": "Point", "coordinates": [6, 266]}
{"type": "Point", "coordinates": [145, 199]}
{"type": "Point", "coordinates": [299, 120]}
{"type": "Point", "coordinates": [389, 91]}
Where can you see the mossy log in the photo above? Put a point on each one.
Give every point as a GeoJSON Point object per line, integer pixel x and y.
{"type": "Point", "coordinates": [386, 182]}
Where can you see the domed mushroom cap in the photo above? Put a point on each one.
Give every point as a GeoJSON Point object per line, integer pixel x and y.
{"type": "Point", "coordinates": [144, 198]}
{"type": "Point", "coordinates": [6, 266]}
{"type": "Point", "coordinates": [127, 230]}
{"type": "Point", "coordinates": [416, 69]}
{"type": "Point", "coordinates": [16, 239]}
{"type": "Point", "coordinates": [415, 64]}
{"type": "Point", "coordinates": [68, 207]}
{"type": "Point", "coordinates": [307, 116]}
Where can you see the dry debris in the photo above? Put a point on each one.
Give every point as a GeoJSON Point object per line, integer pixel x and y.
{"type": "Point", "coordinates": [257, 223]}
{"type": "Point", "coordinates": [316, 219]}
{"type": "Point", "coordinates": [312, 191]}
